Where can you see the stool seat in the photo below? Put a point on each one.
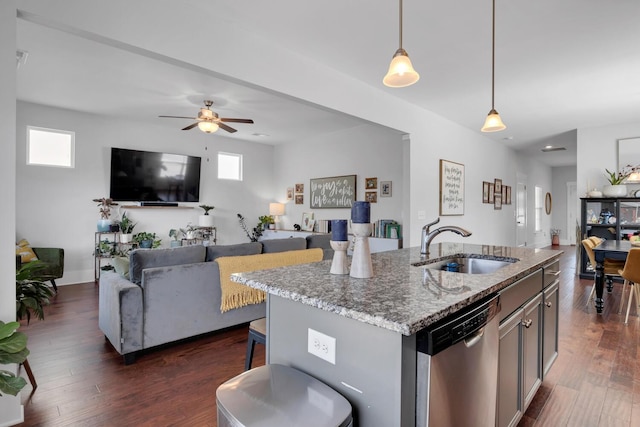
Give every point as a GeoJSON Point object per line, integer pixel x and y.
{"type": "Point", "coordinates": [277, 396]}
{"type": "Point", "coordinates": [257, 334]}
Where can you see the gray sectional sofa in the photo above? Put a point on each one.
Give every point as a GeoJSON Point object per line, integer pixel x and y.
{"type": "Point", "coordinates": [173, 294]}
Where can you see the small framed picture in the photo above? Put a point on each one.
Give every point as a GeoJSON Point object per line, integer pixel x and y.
{"type": "Point", "coordinates": [497, 201]}
{"type": "Point", "coordinates": [307, 221]}
{"type": "Point", "coordinates": [385, 188]}
{"type": "Point", "coordinates": [371, 183]}
{"type": "Point", "coordinates": [485, 191]}
{"type": "Point", "coordinates": [371, 197]}
{"type": "Point", "coordinates": [299, 199]}
{"type": "Point", "coordinates": [497, 186]}
{"type": "Point", "coordinates": [299, 188]}
{"type": "Point", "coordinates": [507, 200]}
{"type": "Point", "coordinates": [491, 193]}
{"type": "Point", "coordinates": [290, 193]}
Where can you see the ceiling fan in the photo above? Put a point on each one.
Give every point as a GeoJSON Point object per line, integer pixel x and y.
{"type": "Point", "coordinates": [208, 121]}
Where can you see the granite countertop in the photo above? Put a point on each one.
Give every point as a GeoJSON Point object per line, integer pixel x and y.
{"type": "Point", "coordinates": [400, 297]}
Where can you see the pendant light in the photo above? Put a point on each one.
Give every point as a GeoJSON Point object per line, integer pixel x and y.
{"type": "Point", "coordinates": [493, 123]}
{"type": "Point", "coordinates": [401, 72]}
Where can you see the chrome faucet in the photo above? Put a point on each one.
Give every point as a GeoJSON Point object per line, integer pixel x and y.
{"type": "Point", "coordinates": [427, 236]}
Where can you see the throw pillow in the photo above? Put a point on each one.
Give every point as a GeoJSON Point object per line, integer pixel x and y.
{"type": "Point", "coordinates": [121, 264]}
{"type": "Point", "coordinates": [23, 248]}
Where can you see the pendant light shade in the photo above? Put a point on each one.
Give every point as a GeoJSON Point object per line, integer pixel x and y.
{"type": "Point", "coordinates": [208, 127]}
{"type": "Point", "coordinates": [493, 123]}
{"type": "Point", "coordinates": [401, 72]}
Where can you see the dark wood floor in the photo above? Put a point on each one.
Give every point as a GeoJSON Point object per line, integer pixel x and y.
{"type": "Point", "coordinates": [83, 382]}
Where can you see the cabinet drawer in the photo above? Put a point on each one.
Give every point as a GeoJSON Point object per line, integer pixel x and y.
{"type": "Point", "coordinates": [520, 292]}
{"type": "Point", "coordinates": [551, 272]}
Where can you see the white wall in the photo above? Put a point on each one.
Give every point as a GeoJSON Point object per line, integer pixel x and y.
{"type": "Point", "coordinates": [597, 151]}
{"type": "Point", "coordinates": [11, 411]}
{"type": "Point", "coordinates": [55, 207]}
{"type": "Point", "coordinates": [365, 151]}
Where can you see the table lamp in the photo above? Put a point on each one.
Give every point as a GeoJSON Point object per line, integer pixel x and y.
{"type": "Point", "coordinates": [276, 210]}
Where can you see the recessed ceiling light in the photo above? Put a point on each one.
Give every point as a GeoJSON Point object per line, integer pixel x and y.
{"type": "Point", "coordinates": [508, 138]}
{"type": "Point", "coordinates": [549, 148]}
{"type": "Point", "coordinates": [261, 135]}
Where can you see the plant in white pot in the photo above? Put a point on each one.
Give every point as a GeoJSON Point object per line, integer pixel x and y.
{"type": "Point", "coordinates": [616, 181]}
{"type": "Point", "coordinates": [126, 229]}
{"type": "Point", "coordinates": [105, 204]}
{"type": "Point", "coordinates": [206, 220]}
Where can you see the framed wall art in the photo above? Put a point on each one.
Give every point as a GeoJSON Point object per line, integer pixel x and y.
{"type": "Point", "coordinates": [385, 188]}
{"type": "Point", "coordinates": [497, 186]}
{"type": "Point", "coordinates": [371, 197]}
{"type": "Point", "coordinates": [299, 188]}
{"type": "Point", "coordinates": [333, 192]}
{"type": "Point", "coordinates": [299, 199]}
{"type": "Point", "coordinates": [497, 201]}
{"type": "Point", "coordinates": [507, 200]}
{"type": "Point", "coordinates": [485, 191]}
{"type": "Point", "coordinates": [290, 193]}
{"type": "Point", "coordinates": [307, 221]}
{"type": "Point", "coordinates": [371, 183]}
{"type": "Point", "coordinates": [451, 188]}
{"type": "Point", "coordinates": [491, 193]}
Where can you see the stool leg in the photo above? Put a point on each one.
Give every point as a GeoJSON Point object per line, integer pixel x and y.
{"type": "Point", "coordinates": [251, 343]}
{"type": "Point", "coordinates": [631, 297]}
{"type": "Point", "coordinates": [622, 298]}
{"type": "Point", "coordinates": [591, 294]}
{"type": "Point", "coordinates": [29, 372]}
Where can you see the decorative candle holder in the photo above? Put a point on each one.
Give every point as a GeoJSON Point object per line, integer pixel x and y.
{"type": "Point", "coordinates": [361, 266]}
{"type": "Point", "coordinates": [339, 264]}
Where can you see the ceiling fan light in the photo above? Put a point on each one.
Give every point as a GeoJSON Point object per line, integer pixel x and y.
{"type": "Point", "coordinates": [401, 72]}
{"type": "Point", "coordinates": [208, 127]}
{"type": "Point", "coordinates": [493, 123]}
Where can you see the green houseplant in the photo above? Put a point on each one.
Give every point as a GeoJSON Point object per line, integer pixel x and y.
{"type": "Point", "coordinates": [175, 234]}
{"type": "Point", "coordinates": [126, 228]}
{"type": "Point", "coordinates": [255, 233]}
{"type": "Point", "coordinates": [105, 204]}
{"type": "Point", "coordinates": [616, 180]}
{"type": "Point", "coordinates": [146, 240]}
{"type": "Point", "coordinates": [13, 349]}
{"type": "Point", "coordinates": [206, 220]}
{"type": "Point", "coordinates": [265, 221]}
{"type": "Point", "coordinates": [32, 293]}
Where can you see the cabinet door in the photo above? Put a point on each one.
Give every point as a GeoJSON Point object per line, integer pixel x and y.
{"type": "Point", "coordinates": [531, 348]}
{"type": "Point", "coordinates": [510, 406]}
{"type": "Point", "coordinates": [550, 329]}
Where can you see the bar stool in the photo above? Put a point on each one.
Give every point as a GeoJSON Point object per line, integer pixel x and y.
{"type": "Point", "coordinates": [257, 334]}
{"type": "Point", "coordinates": [631, 276]}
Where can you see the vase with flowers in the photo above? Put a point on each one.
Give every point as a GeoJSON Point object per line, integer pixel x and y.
{"type": "Point", "coordinates": [616, 187]}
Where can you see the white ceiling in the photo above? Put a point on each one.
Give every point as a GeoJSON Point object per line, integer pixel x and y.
{"type": "Point", "coordinates": [560, 66]}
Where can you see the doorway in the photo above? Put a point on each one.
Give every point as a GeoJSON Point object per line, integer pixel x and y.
{"type": "Point", "coordinates": [521, 211]}
{"type": "Point", "coordinates": [572, 211]}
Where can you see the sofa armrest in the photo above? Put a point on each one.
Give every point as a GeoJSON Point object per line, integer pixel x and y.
{"type": "Point", "coordinates": [120, 312]}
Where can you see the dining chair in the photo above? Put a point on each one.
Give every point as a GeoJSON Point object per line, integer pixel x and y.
{"type": "Point", "coordinates": [611, 267]}
{"type": "Point", "coordinates": [631, 276]}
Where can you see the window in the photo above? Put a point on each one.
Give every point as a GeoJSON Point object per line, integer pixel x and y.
{"type": "Point", "coordinates": [230, 166]}
{"type": "Point", "coordinates": [538, 208]}
{"type": "Point", "coordinates": [50, 147]}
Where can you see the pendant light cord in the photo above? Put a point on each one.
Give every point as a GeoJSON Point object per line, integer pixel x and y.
{"type": "Point", "coordinates": [400, 19]}
{"type": "Point", "coordinates": [493, 54]}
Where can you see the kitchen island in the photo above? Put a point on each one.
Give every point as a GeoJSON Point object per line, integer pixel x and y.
{"type": "Point", "coordinates": [364, 330]}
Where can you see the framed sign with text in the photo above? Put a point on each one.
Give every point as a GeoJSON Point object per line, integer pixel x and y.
{"type": "Point", "coordinates": [333, 192]}
{"type": "Point", "coordinates": [451, 188]}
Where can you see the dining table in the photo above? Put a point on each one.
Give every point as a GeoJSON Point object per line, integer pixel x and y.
{"type": "Point", "coordinates": [609, 249]}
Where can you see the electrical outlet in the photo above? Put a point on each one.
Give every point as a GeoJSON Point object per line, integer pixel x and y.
{"type": "Point", "coordinates": [322, 346]}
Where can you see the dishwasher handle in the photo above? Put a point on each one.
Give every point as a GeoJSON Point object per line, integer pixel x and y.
{"type": "Point", "coordinates": [472, 340]}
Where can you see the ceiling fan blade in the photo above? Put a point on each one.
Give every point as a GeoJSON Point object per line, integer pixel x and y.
{"type": "Point", "coordinates": [225, 119]}
{"type": "Point", "coordinates": [191, 126]}
{"type": "Point", "coordinates": [177, 117]}
{"type": "Point", "coordinates": [227, 128]}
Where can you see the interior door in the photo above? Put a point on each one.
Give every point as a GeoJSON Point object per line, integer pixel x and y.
{"type": "Point", "coordinates": [572, 212]}
{"type": "Point", "coordinates": [521, 213]}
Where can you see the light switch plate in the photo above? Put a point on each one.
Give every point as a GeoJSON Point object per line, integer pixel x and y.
{"type": "Point", "coordinates": [322, 346]}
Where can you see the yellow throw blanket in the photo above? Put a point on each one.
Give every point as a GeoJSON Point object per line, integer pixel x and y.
{"type": "Point", "coordinates": [236, 295]}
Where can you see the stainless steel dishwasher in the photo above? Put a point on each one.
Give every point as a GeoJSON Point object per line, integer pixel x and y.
{"type": "Point", "coordinates": [457, 368]}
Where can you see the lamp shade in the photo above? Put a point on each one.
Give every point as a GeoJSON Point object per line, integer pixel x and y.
{"type": "Point", "coordinates": [276, 209]}
{"type": "Point", "coordinates": [493, 123]}
{"type": "Point", "coordinates": [401, 72]}
{"type": "Point", "coordinates": [208, 127]}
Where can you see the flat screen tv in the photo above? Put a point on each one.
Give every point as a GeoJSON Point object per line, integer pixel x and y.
{"type": "Point", "coordinates": [145, 176]}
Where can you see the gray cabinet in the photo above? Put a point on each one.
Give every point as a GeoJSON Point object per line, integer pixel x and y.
{"type": "Point", "coordinates": [510, 403]}
{"type": "Point", "coordinates": [550, 327]}
{"type": "Point", "coordinates": [532, 348]}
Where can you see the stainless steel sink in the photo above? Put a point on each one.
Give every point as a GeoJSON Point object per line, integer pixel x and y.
{"type": "Point", "coordinates": [468, 265]}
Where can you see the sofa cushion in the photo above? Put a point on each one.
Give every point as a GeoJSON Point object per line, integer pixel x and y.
{"type": "Point", "coordinates": [149, 258]}
{"type": "Point", "coordinates": [252, 248]}
{"type": "Point", "coordinates": [270, 246]}
{"type": "Point", "coordinates": [23, 248]}
{"type": "Point", "coordinates": [121, 265]}
{"type": "Point", "coordinates": [321, 241]}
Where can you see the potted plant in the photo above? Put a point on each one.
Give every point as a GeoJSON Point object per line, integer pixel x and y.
{"type": "Point", "coordinates": [191, 232]}
{"type": "Point", "coordinates": [616, 181]}
{"type": "Point", "coordinates": [266, 222]}
{"type": "Point", "coordinates": [206, 220]}
{"type": "Point", "coordinates": [255, 233]}
{"type": "Point", "coordinates": [13, 349]}
{"type": "Point", "coordinates": [105, 204]}
{"type": "Point", "coordinates": [174, 234]}
{"type": "Point", "coordinates": [146, 240]}
{"type": "Point", "coordinates": [105, 248]}
{"type": "Point", "coordinates": [126, 228]}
